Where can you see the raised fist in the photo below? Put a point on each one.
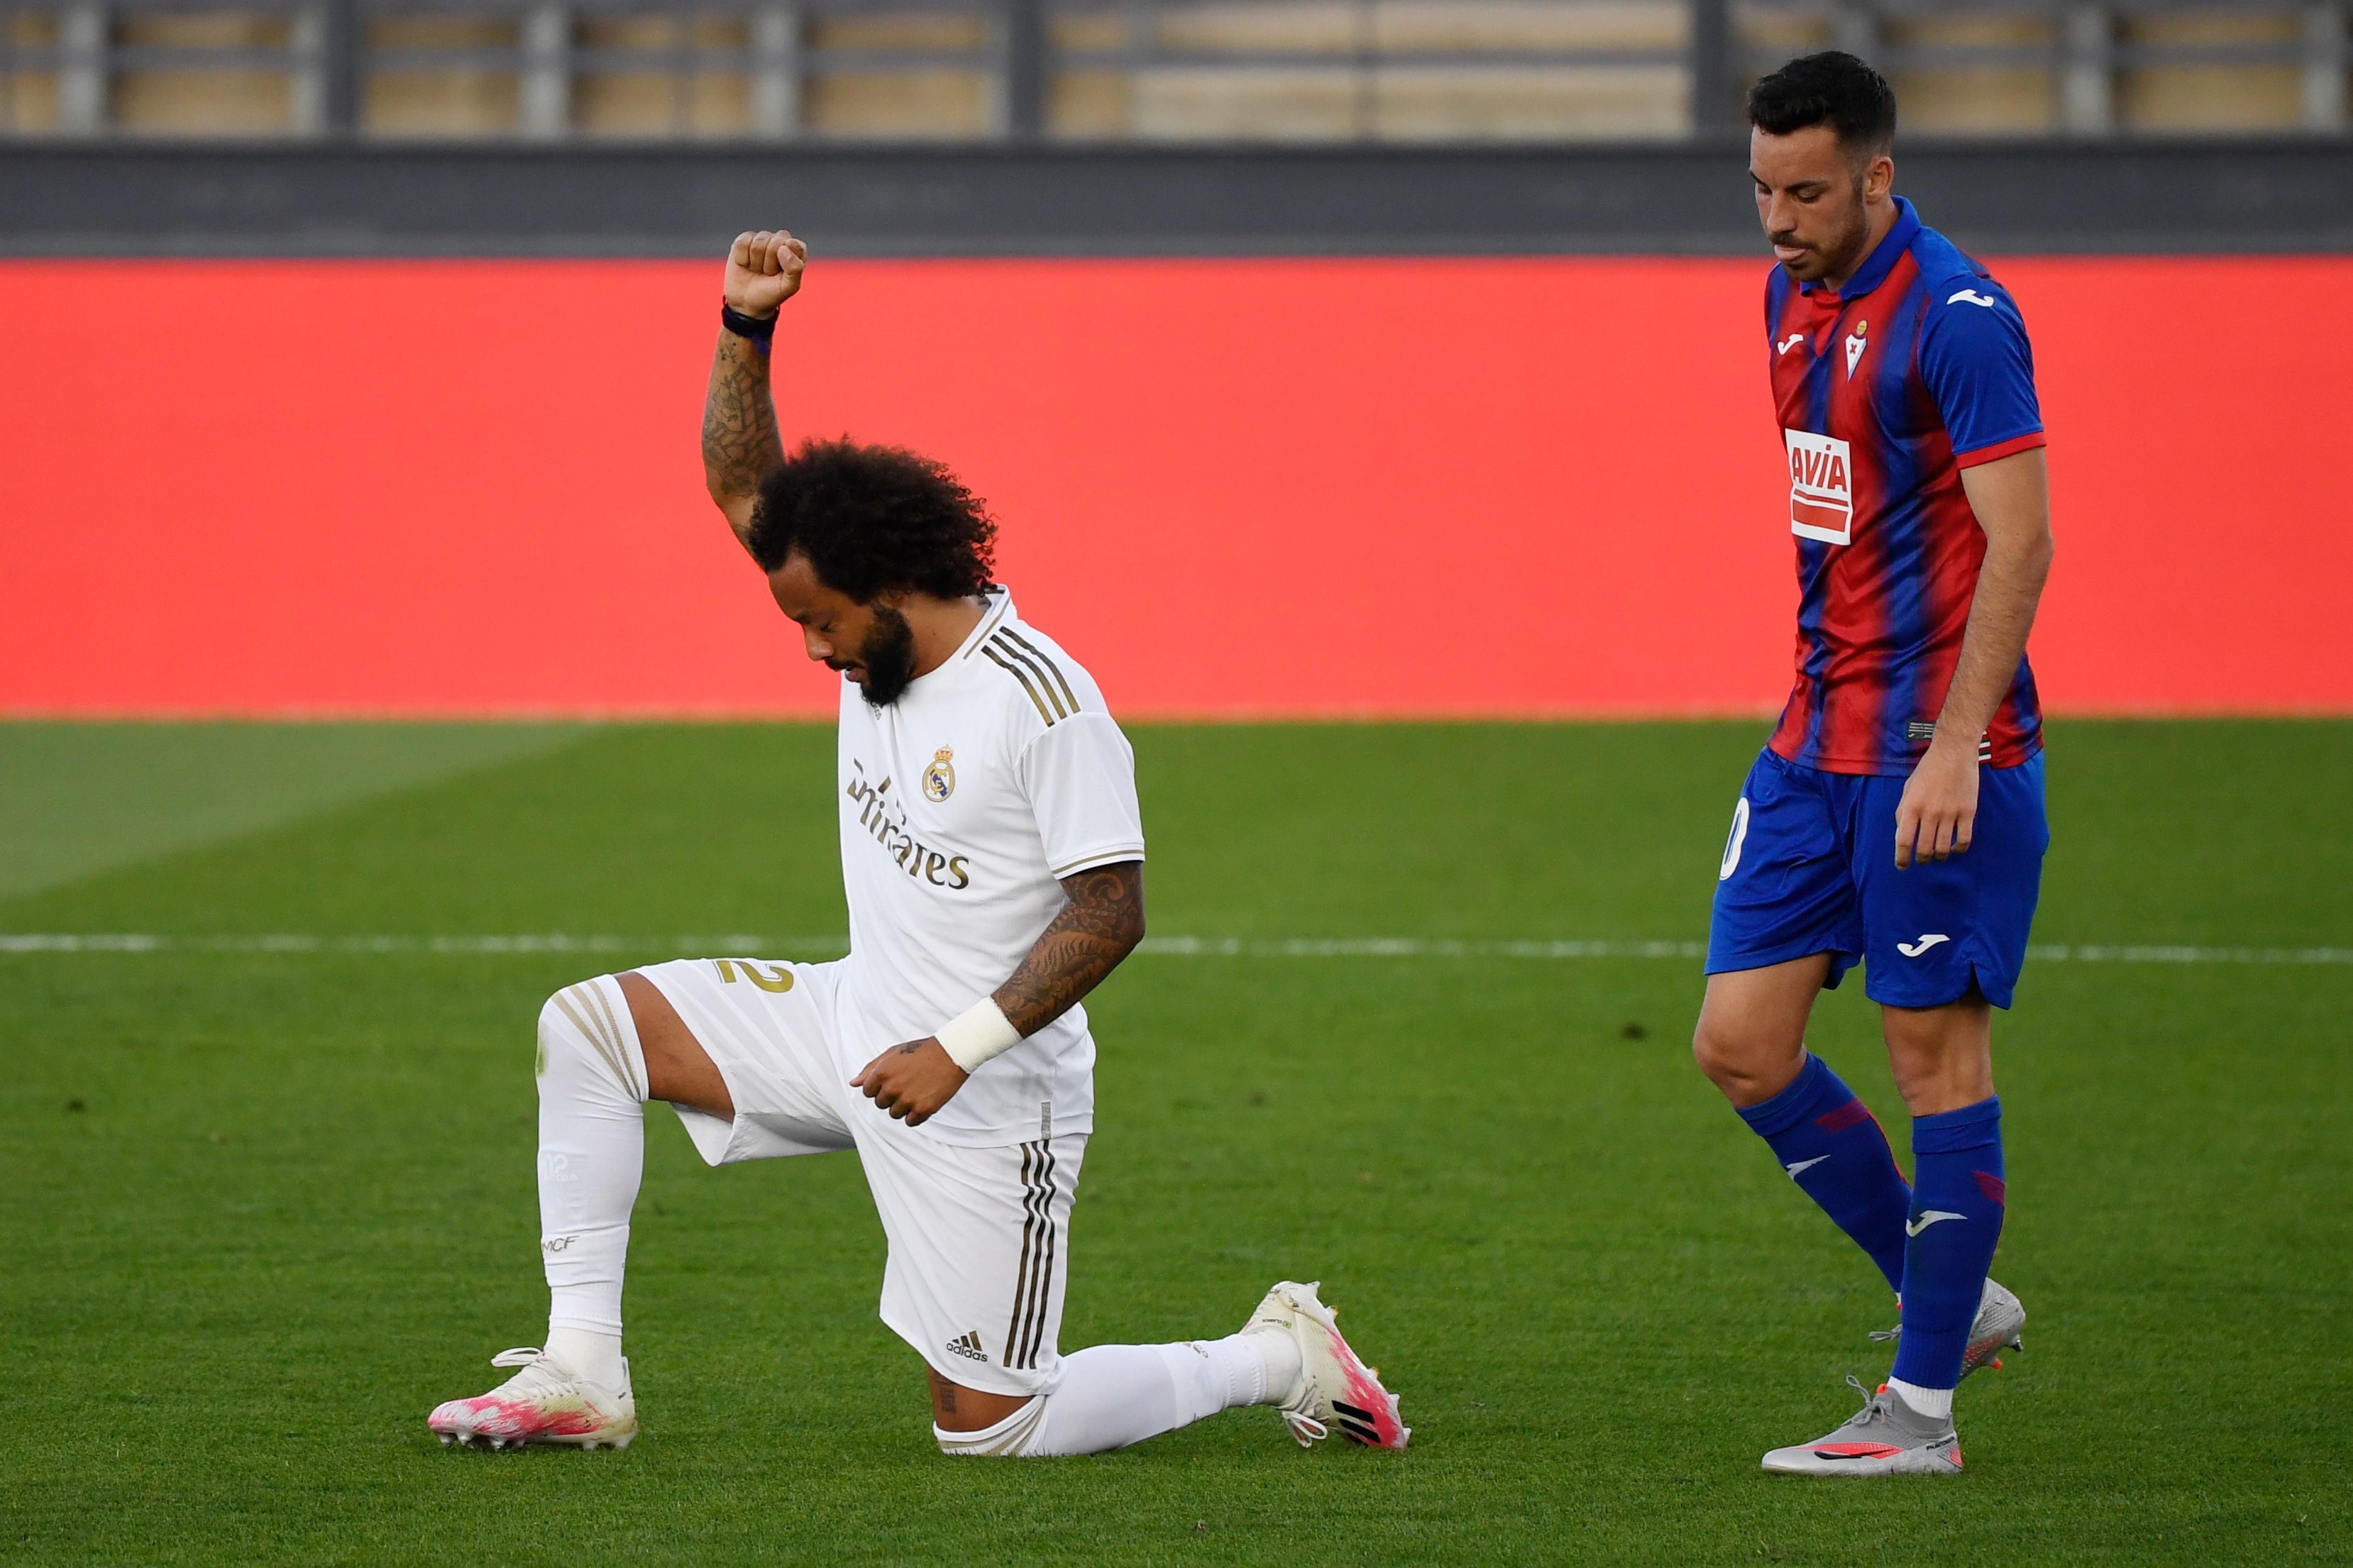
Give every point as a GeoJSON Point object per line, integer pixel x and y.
{"type": "Point", "coordinates": [763, 271]}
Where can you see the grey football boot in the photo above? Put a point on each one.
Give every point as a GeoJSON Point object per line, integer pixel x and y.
{"type": "Point", "coordinates": [2000, 1318]}
{"type": "Point", "coordinates": [1886, 1437]}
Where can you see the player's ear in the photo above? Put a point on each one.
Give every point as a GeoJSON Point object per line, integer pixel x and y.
{"type": "Point", "coordinates": [1878, 177]}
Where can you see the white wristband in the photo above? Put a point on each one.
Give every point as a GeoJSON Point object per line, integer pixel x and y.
{"type": "Point", "coordinates": [979, 1032]}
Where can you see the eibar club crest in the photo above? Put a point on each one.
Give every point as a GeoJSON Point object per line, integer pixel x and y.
{"type": "Point", "coordinates": [1855, 345]}
{"type": "Point", "coordinates": [939, 779]}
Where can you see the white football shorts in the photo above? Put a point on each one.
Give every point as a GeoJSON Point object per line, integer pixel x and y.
{"type": "Point", "coordinates": [978, 1236]}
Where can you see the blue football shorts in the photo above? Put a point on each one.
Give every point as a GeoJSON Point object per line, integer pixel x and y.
{"type": "Point", "coordinates": [1811, 868]}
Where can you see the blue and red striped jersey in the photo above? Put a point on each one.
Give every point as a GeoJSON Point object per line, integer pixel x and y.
{"type": "Point", "coordinates": [1920, 368]}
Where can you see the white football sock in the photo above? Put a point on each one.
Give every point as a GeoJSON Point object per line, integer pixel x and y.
{"type": "Point", "coordinates": [592, 1154]}
{"type": "Point", "coordinates": [1935, 1404]}
{"type": "Point", "coordinates": [1111, 1396]}
{"type": "Point", "coordinates": [1114, 1396]}
{"type": "Point", "coordinates": [587, 1353]}
{"type": "Point", "coordinates": [1257, 1366]}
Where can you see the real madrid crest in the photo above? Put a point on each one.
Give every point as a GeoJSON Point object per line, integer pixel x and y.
{"type": "Point", "coordinates": [939, 779]}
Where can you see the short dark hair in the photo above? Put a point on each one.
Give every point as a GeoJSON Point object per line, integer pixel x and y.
{"type": "Point", "coordinates": [873, 520]}
{"type": "Point", "coordinates": [1832, 89]}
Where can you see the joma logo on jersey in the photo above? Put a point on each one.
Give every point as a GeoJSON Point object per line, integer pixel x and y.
{"type": "Point", "coordinates": [886, 819]}
{"type": "Point", "coordinates": [1821, 487]}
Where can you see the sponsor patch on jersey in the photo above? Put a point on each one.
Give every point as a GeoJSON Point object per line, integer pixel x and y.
{"type": "Point", "coordinates": [939, 779]}
{"type": "Point", "coordinates": [1821, 487]}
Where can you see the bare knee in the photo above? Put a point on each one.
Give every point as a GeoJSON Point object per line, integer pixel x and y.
{"type": "Point", "coordinates": [1751, 1039]}
{"type": "Point", "coordinates": [1749, 1067]}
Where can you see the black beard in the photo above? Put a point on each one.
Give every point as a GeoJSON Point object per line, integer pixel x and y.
{"type": "Point", "coordinates": [1851, 252]}
{"type": "Point", "coordinates": [889, 656]}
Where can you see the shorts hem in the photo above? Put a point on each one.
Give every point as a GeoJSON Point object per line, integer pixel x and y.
{"type": "Point", "coordinates": [978, 1376]}
{"type": "Point", "coordinates": [1975, 976]}
{"type": "Point", "coordinates": [1841, 958]}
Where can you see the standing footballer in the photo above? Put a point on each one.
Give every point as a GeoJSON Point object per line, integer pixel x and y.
{"type": "Point", "coordinates": [1897, 816]}
{"type": "Point", "coordinates": [993, 855]}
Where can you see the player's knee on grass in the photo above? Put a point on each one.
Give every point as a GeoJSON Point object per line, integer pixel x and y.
{"type": "Point", "coordinates": [1014, 1437]}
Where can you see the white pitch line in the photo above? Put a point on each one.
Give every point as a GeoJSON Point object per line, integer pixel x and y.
{"type": "Point", "coordinates": [1157, 946]}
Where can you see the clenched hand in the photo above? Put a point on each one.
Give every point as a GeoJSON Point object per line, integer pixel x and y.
{"type": "Point", "coordinates": [911, 1081]}
{"type": "Point", "coordinates": [763, 271]}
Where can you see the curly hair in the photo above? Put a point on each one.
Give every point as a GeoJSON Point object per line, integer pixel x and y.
{"type": "Point", "coordinates": [873, 520]}
{"type": "Point", "coordinates": [1832, 89]}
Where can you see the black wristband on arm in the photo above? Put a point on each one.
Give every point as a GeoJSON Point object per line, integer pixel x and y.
{"type": "Point", "coordinates": [761, 334]}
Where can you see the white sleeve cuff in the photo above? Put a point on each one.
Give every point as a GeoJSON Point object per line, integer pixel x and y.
{"type": "Point", "coordinates": [1089, 861]}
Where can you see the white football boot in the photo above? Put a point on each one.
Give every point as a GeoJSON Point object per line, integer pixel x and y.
{"type": "Point", "coordinates": [1335, 1389]}
{"type": "Point", "coordinates": [544, 1403]}
{"type": "Point", "coordinates": [1886, 1437]}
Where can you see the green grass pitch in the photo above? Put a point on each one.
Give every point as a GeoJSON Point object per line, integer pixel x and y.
{"type": "Point", "coordinates": [260, 1209]}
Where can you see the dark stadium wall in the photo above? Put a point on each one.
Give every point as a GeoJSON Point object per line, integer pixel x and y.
{"type": "Point", "coordinates": [1234, 488]}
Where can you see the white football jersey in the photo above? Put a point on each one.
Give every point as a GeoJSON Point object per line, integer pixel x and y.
{"type": "Point", "coordinates": [962, 803]}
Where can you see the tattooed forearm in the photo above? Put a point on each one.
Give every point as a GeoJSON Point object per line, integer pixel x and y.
{"type": "Point", "coordinates": [1100, 925]}
{"type": "Point", "coordinates": [740, 443]}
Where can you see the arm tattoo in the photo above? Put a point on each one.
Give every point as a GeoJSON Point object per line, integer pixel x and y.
{"type": "Point", "coordinates": [740, 443]}
{"type": "Point", "coordinates": [1100, 925]}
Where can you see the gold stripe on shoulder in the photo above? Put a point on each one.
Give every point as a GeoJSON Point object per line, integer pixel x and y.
{"type": "Point", "coordinates": [1019, 674]}
{"type": "Point", "coordinates": [1048, 662]}
{"type": "Point", "coordinates": [989, 625]}
{"type": "Point", "coordinates": [1036, 667]}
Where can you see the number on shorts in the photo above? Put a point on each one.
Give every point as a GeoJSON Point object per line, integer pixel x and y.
{"type": "Point", "coordinates": [1732, 844]}
{"type": "Point", "coordinates": [779, 982]}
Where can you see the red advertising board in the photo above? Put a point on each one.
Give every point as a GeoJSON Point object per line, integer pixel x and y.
{"type": "Point", "coordinates": [1234, 488]}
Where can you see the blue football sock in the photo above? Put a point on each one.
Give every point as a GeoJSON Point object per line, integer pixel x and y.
{"type": "Point", "coordinates": [1832, 1147]}
{"type": "Point", "coordinates": [1957, 1212]}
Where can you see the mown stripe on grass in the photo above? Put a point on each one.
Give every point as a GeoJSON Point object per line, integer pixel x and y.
{"type": "Point", "coordinates": [1157, 946]}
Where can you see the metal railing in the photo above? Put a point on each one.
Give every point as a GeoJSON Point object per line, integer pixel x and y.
{"type": "Point", "coordinates": [63, 64]}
